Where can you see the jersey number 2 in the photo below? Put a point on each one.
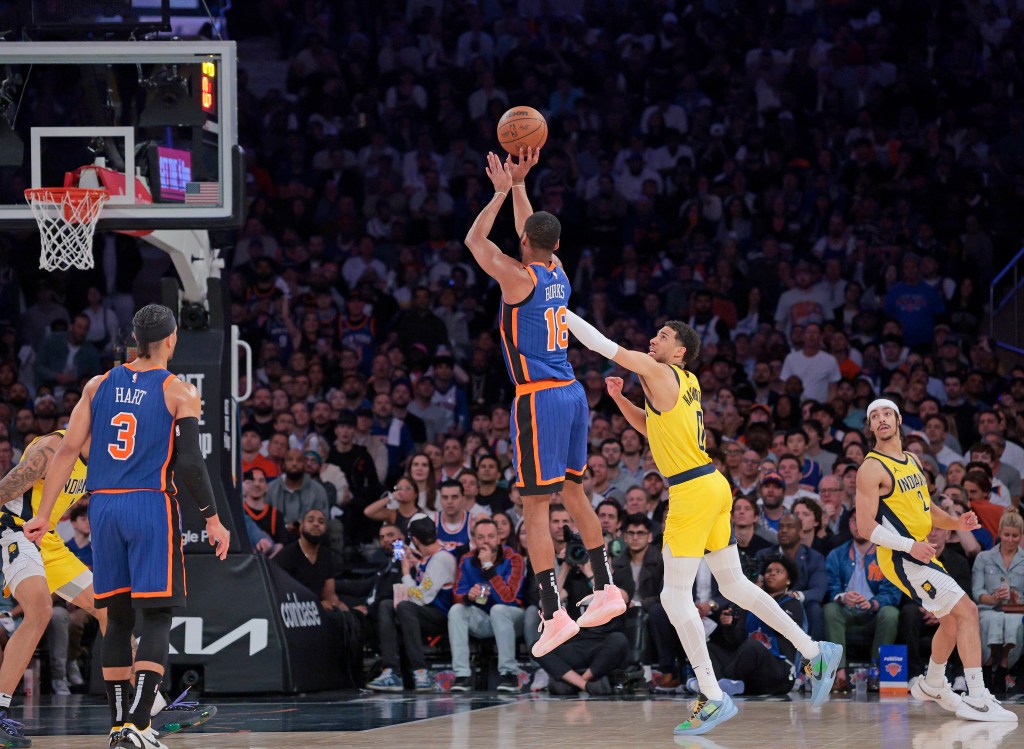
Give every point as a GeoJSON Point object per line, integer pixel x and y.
{"type": "Point", "coordinates": [558, 328]}
{"type": "Point", "coordinates": [924, 502]}
{"type": "Point", "coordinates": [701, 434]}
{"type": "Point", "coordinates": [123, 448]}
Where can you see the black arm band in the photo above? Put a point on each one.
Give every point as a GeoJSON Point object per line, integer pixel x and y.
{"type": "Point", "coordinates": [189, 466]}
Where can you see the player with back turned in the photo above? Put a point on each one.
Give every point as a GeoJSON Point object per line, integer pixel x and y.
{"type": "Point", "coordinates": [698, 524]}
{"type": "Point", "coordinates": [895, 511]}
{"type": "Point", "coordinates": [549, 414]}
{"type": "Point", "coordinates": [144, 426]}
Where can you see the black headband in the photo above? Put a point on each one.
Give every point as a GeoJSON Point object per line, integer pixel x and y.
{"type": "Point", "coordinates": [156, 332]}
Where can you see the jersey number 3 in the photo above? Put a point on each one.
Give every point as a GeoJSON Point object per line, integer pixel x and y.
{"type": "Point", "coordinates": [558, 328]}
{"type": "Point", "coordinates": [124, 445]}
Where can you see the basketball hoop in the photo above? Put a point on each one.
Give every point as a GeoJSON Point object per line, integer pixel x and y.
{"type": "Point", "coordinates": [67, 219]}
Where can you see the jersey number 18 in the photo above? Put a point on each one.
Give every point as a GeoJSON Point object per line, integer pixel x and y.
{"type": "Point", "coordinates": [558, 328]}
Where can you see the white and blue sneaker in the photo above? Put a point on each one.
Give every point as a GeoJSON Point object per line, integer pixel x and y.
{"type": "Point", "coordinates": [11, 734]}
{"type": "Point", "coordinates": [706, 714]}
{"type": "Point", "coordinates": [822, 672]}
{"type": "Point", "coordinates": [388, 681]}
{"type": "Point", "coordinates": [732, 687]}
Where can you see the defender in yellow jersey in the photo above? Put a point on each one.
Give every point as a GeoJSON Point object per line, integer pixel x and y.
{"type": "Point", "coordinates": [895, 511]}
{"type": "Point", "coordinates": [697, 526]}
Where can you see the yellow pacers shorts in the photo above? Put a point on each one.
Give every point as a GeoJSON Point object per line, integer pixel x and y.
{"type": "Point", "coordinates": [699, 516]}
{"type": "Point", "coordinates": [62, 566]}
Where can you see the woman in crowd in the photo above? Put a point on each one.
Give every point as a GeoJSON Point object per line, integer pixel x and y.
{"type": "Point", "coordinates": [998, 581]}
{"type": "Point", "coordinates": [396, 507]}
{"type": "Point", "coordinates": [420, 470]}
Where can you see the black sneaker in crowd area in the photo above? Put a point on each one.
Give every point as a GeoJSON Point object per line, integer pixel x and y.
{"type": "Point", "coordinates": [508, 683]}
{"type": "Point", "coordinates": [462, 684]}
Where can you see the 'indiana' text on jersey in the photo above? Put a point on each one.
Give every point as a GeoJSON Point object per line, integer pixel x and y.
{"type": "Point", "coordinates": [132, 432]}
{"type": "Point", "coordinates": [907, 508]}
{"type": "Point", "coordinates": [535, 332]}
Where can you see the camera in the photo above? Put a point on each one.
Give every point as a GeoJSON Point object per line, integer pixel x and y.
{"type": "Point", "coordinates": [575, 551]}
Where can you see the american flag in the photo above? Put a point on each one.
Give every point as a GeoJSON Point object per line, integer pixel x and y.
{"type": "Point", "coordinates": [202, 193]}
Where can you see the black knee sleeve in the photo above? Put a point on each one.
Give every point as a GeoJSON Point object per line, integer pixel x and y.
{"type": "Point", "coordinates": [117, 642]}
{"type": "Point", "coordinates": [154, 642]}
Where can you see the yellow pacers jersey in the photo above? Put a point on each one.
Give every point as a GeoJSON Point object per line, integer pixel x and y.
{"type": "Point", "coordinates": [907, 508]}
{"type": "Point", "coordinates": [15, 512]}
{"type": "Point", "coordinates": [677, 435]}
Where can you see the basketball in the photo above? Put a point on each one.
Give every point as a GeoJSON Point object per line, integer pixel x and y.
{"type": "Point", "coordinates": [522, 127]}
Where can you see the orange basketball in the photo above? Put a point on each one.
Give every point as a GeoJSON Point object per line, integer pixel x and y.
{"type": "Point", "coordinates": [522, 127]}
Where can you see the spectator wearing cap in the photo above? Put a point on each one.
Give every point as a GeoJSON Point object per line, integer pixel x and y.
{"type": "Point", "coordinates": [251, 455]}
{"type": "Point", "coordinates": [66, 358]}
{"type": "Point", "coordinates": [655, 486]}
{"type": "Point", "coordinates": [487, 602]}
{"type": "Point", "coordinates": [331, 478]}
{"type": "Point", "coordinates": [449, 396]}
{"type": "Point", "coordinates": [428, 576]}
{"type": "Point", "coordinates": [915, 303]}
{"type": "Point", "coordinates": [360, 472]}
{"type": "Point", "coordinates": [629, 182]}
{"type": "Point", "coordinates": [817, 370]}
{"type": "Point", "coordinates": [296, 492]}
{"type": "Point", "coordinates": [773, 488]}
{"type": "Point", "coordinates": [811, 584]}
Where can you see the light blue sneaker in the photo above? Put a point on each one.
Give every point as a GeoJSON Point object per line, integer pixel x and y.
{"type": "Point", "coordinates": [424, 682]}
{"type": "Point", "coordinates": [388, 681]}
{"type": "Point", "coordinates": [822, 672]}
{"type": "Point", "coordinates": [706, 714]}
{"type": "Point", "coordinates": [732, 687]}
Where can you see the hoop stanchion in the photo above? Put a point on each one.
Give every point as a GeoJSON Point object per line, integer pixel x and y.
{"type": "Point", "coordinates": [67, 219]}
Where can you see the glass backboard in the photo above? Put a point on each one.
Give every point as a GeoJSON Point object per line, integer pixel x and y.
{"type": "Point", "coordinates": [88, 113]}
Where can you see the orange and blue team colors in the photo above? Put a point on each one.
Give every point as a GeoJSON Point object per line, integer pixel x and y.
{"type": "Point", "coordinates": [549, 413]}
{"type": "Point", "coordinates": [700, 498]}
{"type": "Point", "coordinates": [130, 478]}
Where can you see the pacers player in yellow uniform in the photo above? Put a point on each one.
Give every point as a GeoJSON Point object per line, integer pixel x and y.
{"type": "Point", "coordinates": [895, 511]}
{"type": "Point", "coordinates": [698, 522]}
{"type": "Point", "coordinates": [32, 574]}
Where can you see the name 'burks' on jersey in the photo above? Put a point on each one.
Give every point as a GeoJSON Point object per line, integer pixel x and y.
{"type": "Point", "coordinates": [535, 331]}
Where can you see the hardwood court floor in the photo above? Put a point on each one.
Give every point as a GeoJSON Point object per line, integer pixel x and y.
{"type": "Point", "coordinates": [523, 722]}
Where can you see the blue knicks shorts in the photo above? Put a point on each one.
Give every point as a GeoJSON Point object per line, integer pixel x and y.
{"type": "Point", "coordinates": [549, 435]}
{"type": "Point", "coordinates": [136, 548]}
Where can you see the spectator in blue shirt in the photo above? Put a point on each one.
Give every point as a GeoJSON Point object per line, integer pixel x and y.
{"type": "Point", "coordinates": [861, 600]}
{"type": "Point", "coordinates": [915, 304]}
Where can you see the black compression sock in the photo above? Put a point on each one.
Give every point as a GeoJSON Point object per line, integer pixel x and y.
{"type": "Point", "coordinates": [549, 599]}
{"type": "Point", "coordinates": [118, 700]}
{"type": "Point", "coordinates": [601, 567]}
{"type": "Point", "coordinates": [147, 684]}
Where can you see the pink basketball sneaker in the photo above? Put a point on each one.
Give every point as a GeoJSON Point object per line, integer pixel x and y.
{"type": "Point", "coordinates": [604, 605]}
{"type": "Point", "coordinates": [560, 628]}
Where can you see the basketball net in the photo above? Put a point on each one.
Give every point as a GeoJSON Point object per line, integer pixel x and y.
{"type": "Point", "coordinates": [67, 219]}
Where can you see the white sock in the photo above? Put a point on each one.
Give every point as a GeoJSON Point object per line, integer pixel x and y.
{"type": "Point", "coordinates": [5, 701]}
{"type": "Point", "coordinates": [734, 585]}
{"type": "Point", "coordinates": [159, 703]}
{"type": "Point", "coordinates": [975, 682]}
{"type": "Point", "coordinates": [677, 598]}
{"type": "Point", "coordinates": [936, 675]}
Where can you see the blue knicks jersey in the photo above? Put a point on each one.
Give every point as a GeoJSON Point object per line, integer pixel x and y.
{"type": "Point", "coordinates": [132, 432]}
{"type": "Point", "coordinates": [451, 540]}
{"type": "Point", "coordinates": [535, 332]}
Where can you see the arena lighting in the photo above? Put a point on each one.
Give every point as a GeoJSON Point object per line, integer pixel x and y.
{"type": "Point", "coordinates": [169, 102]}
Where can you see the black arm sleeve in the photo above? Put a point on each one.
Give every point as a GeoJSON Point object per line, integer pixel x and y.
{"type": "Point", "coordinates": [189, 466]}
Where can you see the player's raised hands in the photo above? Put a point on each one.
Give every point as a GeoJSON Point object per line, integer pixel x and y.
{"type": "Point", "coordinates": [527, 158]}
{"type": "Point", "coordinates": [923, 551]}
{"type": "Point", "coordinates": [614, 385]}
{"type": "Point", "coordinates": [968, 522]}
{"type": "Point", "coordinates": [499, 174]}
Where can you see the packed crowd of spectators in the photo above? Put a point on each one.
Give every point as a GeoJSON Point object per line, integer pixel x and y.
{"type": "Point", "coordinates": [824, 191]}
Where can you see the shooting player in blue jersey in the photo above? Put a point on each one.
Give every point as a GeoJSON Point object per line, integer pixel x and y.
{"type": "Point", "coordinates": [549, 413]}
{"type": "Point", "coordinates": [144, 426]}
